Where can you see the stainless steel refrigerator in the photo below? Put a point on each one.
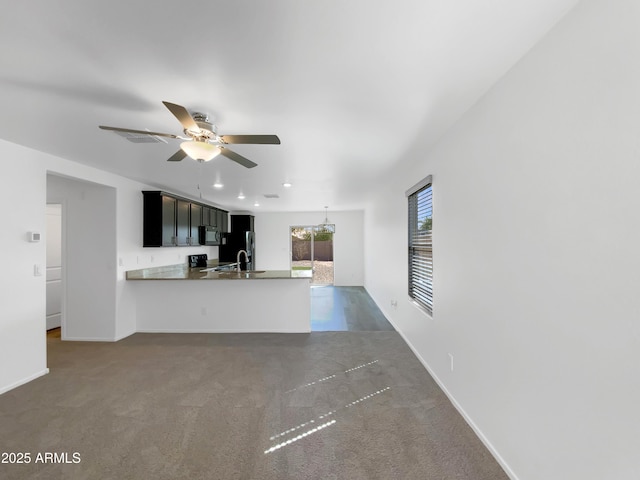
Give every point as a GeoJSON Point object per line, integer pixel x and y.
{"type": "Point", "coordinates": [232, 243]}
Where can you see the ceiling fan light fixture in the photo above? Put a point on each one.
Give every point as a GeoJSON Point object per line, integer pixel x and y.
{"type": "Point", "coordinates": [201, 151]}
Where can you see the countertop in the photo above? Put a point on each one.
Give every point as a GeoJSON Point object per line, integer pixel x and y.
{"type": "Point", "coordinates": [183, 272]}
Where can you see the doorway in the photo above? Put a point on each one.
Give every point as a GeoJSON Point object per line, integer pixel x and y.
{"type": "Point", "coordinates": [54, 265]}
{"type": "Point", "coordinates": [88, 300]}
{"type": "Point", "coordinates": [312, 253]}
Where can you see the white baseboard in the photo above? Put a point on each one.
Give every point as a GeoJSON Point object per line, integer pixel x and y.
{"type": "Point", "coordinates": [98, 339]}
{"type": "Point", "coordinates": [117, 339]}
{"type": "Point", "coordinates": [217, 331]}
{"type": "Point", "coordinates": [54, 321]}
{"type": "Point", "coordinates": [173, 330]}
{"type": "Point", "coordinates": [23, 381]}
{"type": "Point", "coordinates": [453, 401]}
{"type": "Point", "coordinates": [462, 412]}
{"type": "Point", "coordinates": [88, 339]}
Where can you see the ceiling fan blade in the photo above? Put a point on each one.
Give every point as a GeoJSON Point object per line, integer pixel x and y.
{"type": "Point", "coordinates": [257, 139]}
{"type": "Point", "coordinates": [177, 157]}
{"type": "Point", "coordinates": [236, 157]}
{"type": "Point", "coordinates": [139, 132]}
{"type": "Point", "coordinates": [183, 116]}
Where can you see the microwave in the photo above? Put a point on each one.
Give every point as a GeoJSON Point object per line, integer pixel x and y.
{"type": "Point", "coordinates": [208, 235]}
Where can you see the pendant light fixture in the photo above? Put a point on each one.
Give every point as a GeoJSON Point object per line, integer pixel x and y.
{"type": "Point", "coordinates": [326, 226]}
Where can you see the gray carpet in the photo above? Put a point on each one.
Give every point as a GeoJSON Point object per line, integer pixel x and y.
{"type": "Point", "coordinates": [329, 405]}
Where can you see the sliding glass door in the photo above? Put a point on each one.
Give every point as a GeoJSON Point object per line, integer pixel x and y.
{"type": "Point", "coordinates": [312, 253]}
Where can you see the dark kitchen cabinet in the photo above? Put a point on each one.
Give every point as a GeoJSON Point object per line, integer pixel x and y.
{"type": "Point", "coordinates": [169, 220]}
{"type": "Point", "coordinates": [216, 218]}
{"type": "Point", "coordinates": [219, 215]}
{"type": "Point", "coordinates": [206, 216]}
{"type": "Point", "coordinates": [195, 220]}
{"type": "Point", "coordinates": [182, 223]}
{"type": "Point", "coordinates": [159, 220]}
{"type": "Point", "coordinates": [242, 223]}
{"type": "Point", "coordinates": [224, 226]}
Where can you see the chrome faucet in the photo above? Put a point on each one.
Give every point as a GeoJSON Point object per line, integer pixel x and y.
{"type": "Point", "coordinates": [246, 259]}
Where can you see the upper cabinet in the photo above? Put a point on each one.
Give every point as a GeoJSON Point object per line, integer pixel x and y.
{"type": "Point", "coordinates": [220, 219]}
{"type": "Point", "coordinates": [225, 221]}
{"type": "Point", "coordinates": [207, 214]}
{"type": "Point", "coordinates": [159, 220]}
{"type": "Point", "coordinates": [242, 223]}
{"type": "Point", "coordinates": [170, 221]}
{"type": "Point", "coordinates": [183, 220]}
{"type": "Point", "coordinates": [216, 218]}
{"type": "Point", "coordinates": [195, 220]}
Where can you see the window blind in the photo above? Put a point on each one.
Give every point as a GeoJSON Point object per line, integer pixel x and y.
{"type": "Point", "coordinates": [420, 246]}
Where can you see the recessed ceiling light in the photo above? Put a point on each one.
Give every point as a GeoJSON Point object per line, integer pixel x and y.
{"type": "Point", "coordinates": [218, 185]}
{"type": "Point", "coordinates": [241, 196]}
{"type": "Point", "coordinates": [286, 184]}
{"type": "Point", "coordinates": [256, 204]}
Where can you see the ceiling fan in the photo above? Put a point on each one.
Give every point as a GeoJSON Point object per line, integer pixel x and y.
{"type": "Point", "coordinates": [202, 142]}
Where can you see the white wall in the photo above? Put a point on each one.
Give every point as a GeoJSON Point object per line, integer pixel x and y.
{"type": "Point", "coordinates": [535, 253]}
{"type": "Point", "coordinates": [22, 318]}
{"type": "Point", "coordinates": [22, 295]}
{"type": "Point", "coordinates": [273, 231]}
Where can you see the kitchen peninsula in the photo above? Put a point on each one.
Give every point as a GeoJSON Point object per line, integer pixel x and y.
{"type": "Point", "coordinates": [179, 299]}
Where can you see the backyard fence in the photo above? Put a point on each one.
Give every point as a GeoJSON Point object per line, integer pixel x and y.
{"type": "Point", "coordinates": [322, 250]}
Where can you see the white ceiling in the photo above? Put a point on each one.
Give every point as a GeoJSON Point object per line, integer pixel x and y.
{"type": "Point", "coordinates": [347, 85]}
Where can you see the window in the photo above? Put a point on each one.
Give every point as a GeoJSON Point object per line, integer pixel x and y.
{"type": "Point", "coordinates": [420, 244]}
